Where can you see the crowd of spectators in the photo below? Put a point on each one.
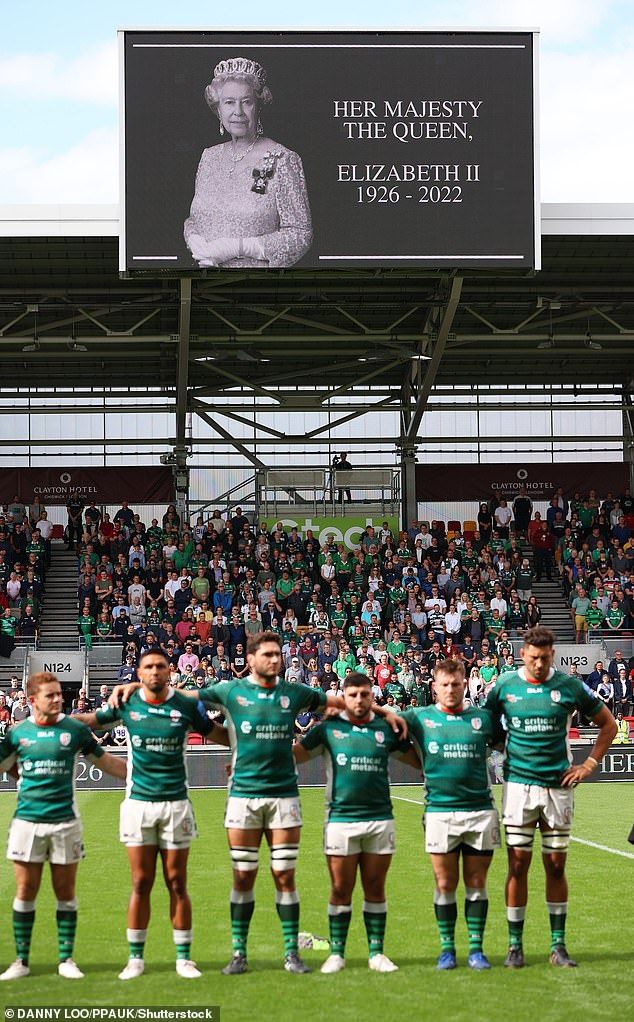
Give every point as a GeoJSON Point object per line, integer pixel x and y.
{"type": "Point", "coordinates": [392, 607]}
{"type": "Point", "coordinates": [25, 555]}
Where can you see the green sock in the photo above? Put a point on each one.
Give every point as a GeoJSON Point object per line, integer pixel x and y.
{"type": "Point", "coordinates": [339, 917]}
{"type": "Point", "coordinates": [23, 919]}
{"type": "Point", "coordinates": [557, 911]}
{"type": "Point", "coordinates": [375, 919]}
{"type": "Point", "coordinates": [66, 928]}
{"type": "Point", "coordinates": [136, 942]}
{"type": "Point", "coordinates": [515, 917]}
{"type": "Point", "coordinates": [183, 944]}
{"type": "Point", "coordinates": [287, 904]}
{"type": "Point", "coordinates": [242, 906]}
{"type": "Point", "coordinates": [446, 914]}
{"type": "Point", "coordinates": [476, 907]}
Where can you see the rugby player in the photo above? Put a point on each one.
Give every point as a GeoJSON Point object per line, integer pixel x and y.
{"type": "Point", "coordinates": [46, 824]}
{"type": "Point", "coordinates": [460, 818]}
{"type": "Point", "coordinates": [260, 712]}
{"type": "Point", "coordinates": [156, 816]}
{"type": "Point", "coordinates": [537, 702]}
{"type": "Point", "coordinates": [359, 832]}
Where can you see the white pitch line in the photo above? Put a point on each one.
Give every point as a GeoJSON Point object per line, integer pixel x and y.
{"type": "Point", "coordinates": [579, 840]}
{"type": "Point", "coordinates": [603, 848]}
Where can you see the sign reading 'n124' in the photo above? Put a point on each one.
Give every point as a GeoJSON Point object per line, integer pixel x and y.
{"type": "Point", "coordinates": [328, 149]}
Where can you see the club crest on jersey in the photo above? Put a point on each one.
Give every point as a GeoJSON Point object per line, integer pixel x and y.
{"type": "Point", "coordinates": [64, 738]}
{"type": "Point", "coordinates": [379, 737]}
{"type": "Point", "coordinates": [175, 715]}
{"type": "Point", "coordinates": [476, 723]}
{"type": "Point", "coordinates": [555, 695]}
{"type": "Point", "coordinates": [285, 702]}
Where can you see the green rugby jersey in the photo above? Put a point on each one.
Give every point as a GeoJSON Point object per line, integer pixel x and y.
{"type": "Point", "coordinates": [453, 748]}
{"type": "Point", "coordinates": [537, 718]}
{"type": "Point", "coordinates": [157, 738]}
{"type": "Point", "coordinates": [260, 722]}
{"type": "Point", "coordinates": [357, 766]}
{"type": "Point", "coordinates": [46, 755]}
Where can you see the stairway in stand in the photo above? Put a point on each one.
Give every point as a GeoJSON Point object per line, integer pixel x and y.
{"type": "Point", "coordinates": [553, 605]}
{"type": "Point", "coordinates": [58, 626]}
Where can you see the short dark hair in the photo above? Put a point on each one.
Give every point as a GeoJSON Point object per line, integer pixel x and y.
{"type": "Point", "coordinates": [153, 652]}
{"type": "Point", "coordinates": [539, 636]}
{"type": "Point", "coordinates": [255, 641]}
{"type": "Point", "coordinates": [356, 679]}
{"type": "Point", "coordinates": [454, 668]}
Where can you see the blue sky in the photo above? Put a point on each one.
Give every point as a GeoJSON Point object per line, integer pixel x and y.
{"type": "Point", "coordinates": [58, 84]}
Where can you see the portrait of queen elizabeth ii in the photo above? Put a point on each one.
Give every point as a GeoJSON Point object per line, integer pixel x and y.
{"type": "Point", "coordinates": [250, 205]}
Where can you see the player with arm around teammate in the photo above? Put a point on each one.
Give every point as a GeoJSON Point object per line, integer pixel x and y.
{"type": "Point", "coordinates": [156, 817]}
{"type": "Point", "coordinates": [260, 712]}
{"type": "Point", "coordinates": [538, 702]}
{"type": "Point", "coordinates": [46, 824]}
{"type": "Point", "coordinates": [453, 743]}
{"type": "Point", "coordinates": [359, 832]}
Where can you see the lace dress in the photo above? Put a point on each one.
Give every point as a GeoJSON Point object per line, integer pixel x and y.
{"type": "Point", "coordinates": [225, 206]}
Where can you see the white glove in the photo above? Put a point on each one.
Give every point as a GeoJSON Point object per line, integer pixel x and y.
{"type": "Point", "coordinates": [252, 248]}
{"type": "Point", "coordinates": [197, 246]}
{"type": "Point", "coordinates": [214, 253]}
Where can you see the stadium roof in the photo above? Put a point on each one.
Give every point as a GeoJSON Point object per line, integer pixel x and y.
{"type": "Point", "coordinates": [344, 341]}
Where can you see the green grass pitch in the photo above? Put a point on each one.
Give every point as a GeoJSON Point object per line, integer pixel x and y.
{"type": "Point", "coordinates": [598, 931]}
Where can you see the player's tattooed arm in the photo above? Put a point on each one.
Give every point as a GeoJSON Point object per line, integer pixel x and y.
{"type": "Point", "coordinates": [607, 733]}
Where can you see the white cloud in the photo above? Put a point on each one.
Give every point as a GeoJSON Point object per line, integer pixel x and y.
{"type": "Point", "coordinates": [558, 20]}
{"type": "Point", "coordinates": [587, 147]}
{"type": "Point", "coordinates": [91, 77]}
{"type": "Point", "coordinates": [87, 172]}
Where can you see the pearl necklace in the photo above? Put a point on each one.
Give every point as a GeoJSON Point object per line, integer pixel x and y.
{"type": "Point", "coordinates": [237, 159]}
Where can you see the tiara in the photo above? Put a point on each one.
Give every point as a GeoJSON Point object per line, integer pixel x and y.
{"type": "Point", "coordinates": [243, 66]}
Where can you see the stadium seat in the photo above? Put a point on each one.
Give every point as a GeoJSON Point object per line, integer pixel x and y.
{"type": "Point", "coordinates": [469, 528]}
{"type": "Point", "coordinates": [453, 526]}
{"type": "Point", "coordinates": [194, 739]}
{"type": "Point", "coordinates": [58, 532]}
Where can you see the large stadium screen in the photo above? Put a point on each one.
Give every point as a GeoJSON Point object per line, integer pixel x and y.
{"type": "Point", "coordinates": [328, 150]}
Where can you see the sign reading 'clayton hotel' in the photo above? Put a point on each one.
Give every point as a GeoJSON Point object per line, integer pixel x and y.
{"type": "Point", "coordinates": [324, 149]}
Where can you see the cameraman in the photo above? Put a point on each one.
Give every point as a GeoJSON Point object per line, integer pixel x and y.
{"type": "Point", "coordinates": [341, 464]}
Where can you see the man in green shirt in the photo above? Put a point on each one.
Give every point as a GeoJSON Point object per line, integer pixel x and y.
{"type": "Point", "coordinates": [156, 815]}
{"type": "Point", "coordinates": [594, 615]}
{"type": "Point", "coordinates": [537, 703]}
{"type": "Point", "coordinates": [45, 826]}
{"type": "Point", "coordinates": [359, 833]}
{"type": "Point", "coordinates": [460, 817]}
{"type": "Point", "coordinates": [260, 712]}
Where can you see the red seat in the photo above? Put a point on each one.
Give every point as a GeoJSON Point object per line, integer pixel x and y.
{"type": "Point", "coordinates": [58, 532]}
{"type": "Point", "coordinates": [194, 739]}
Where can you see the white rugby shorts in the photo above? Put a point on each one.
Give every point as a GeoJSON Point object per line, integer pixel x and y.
{"type": "Point", "coordinates": [375, 836]}
{"type": "Point", "coordinates": [59, 843]}
{"type": "Point", "coordinates": [446, 832]}
{"type": "Point", "coordinates": [165, 824]}
{"type": "Point", "coordinates": [263, 813]}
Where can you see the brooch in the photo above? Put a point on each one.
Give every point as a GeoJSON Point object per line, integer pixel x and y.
{"type": "Point", "coordinates": [261, 175]}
